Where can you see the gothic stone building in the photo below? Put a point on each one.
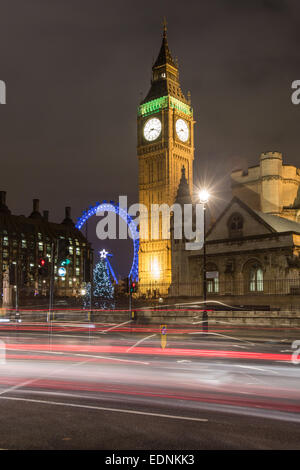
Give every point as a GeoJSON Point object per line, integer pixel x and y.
{"type": "Point", "coordinates": [252, 255]}
{"type": "Point", "coordinates": [25, 240]}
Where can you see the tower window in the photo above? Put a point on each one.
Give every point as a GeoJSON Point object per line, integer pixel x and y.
{"type": "Point", "coordinates": [163, 75]}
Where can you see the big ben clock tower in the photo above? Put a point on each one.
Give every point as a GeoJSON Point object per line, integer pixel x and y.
{"type": "Point", "coordinates": [165, 144]}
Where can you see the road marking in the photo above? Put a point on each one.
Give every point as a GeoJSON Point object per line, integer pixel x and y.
{"type": "Point", "coordinates": [140, 341]}
{"type": "Point", "coordinates": [250, 367]}
{"type": "Point", "coordinates": [82, 355]}
{"type": "Point", "coordinates": [121, 324]}
{"type": "Point", "coordinates": [100, 408]}
{"type": "Point", "coordinates": [219, 334]}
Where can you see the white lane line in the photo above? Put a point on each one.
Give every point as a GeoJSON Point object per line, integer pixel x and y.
{"type": "Point", "coordinates": [250, 367]}
{"type": "Point", "coordinates": [139, 342]}
{"type": "Point", "coordinates": [117, 326]}
{"type": "Point", "coordinates": [219, 334]}
{"type": "Point", "coordinates": [257, 368]}
{"type": "Point", "coordinates": [100, 408]}
{"type": "Point", "coordinates": [80, 355]}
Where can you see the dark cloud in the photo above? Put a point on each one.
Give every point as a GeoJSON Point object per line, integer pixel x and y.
{"type": "Point", "coordinates": [77, 69]}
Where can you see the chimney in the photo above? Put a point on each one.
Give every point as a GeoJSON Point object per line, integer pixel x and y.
{"type": "Point", "coordinates": [3, 198]}
{"type": "Point", "coordinates": [35, 214]}
{"type": "Point", "coordinates": [3, 206]}
{"type": "Point", "coordinates": [67, 219]}
{"type": "Point", "coordinates": [46, 215]}
{"type": "Point", "coordinates": [36, 205]}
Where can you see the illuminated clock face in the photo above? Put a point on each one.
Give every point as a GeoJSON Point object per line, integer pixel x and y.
{"type": "Point", "coordinates": [152, 129]}
{"type": "Point", "coordinates": [182, 130]}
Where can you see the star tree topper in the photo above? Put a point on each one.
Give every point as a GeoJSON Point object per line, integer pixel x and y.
{"type": "Point", "coordinates": [103, 253]}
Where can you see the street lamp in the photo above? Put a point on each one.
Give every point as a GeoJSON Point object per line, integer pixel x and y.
{"type": "Point", "coordinates": [204, 198]}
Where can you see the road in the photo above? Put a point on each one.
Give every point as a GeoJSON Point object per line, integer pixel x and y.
{"type": "Point", "coordinates": [79, 386]}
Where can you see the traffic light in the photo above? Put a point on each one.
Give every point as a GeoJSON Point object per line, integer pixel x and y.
{"type": "Point", "coordinates": [43, 267]}
{"type": "Point", "coordinates": [63, 252]}
{"type": "Point", "coordinates": [127, 284]}
{"type": "Point", "coordinates": [133, 287]}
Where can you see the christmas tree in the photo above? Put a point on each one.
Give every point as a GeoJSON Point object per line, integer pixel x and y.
{"type": "Point", "coordinates": [103, 288]}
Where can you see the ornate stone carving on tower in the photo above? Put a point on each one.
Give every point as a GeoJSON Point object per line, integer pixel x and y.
{"type": "Point", "coordinates": [165, 144]}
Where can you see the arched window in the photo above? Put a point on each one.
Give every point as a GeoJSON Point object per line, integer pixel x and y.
{"type": "Point", "coordinates": [256, 279]}
{"type": "Point", "coordinates": [235, 225]}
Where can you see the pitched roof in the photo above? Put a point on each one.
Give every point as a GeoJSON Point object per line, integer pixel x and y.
{"type": "Point", "coordinates": [164, 56]}
{"type": "Point", "coordinates": [273, 223]}
{"type": "Point", "coordinates": [164, 82]}
{"type": "Point", "coordinates": [279, 224]}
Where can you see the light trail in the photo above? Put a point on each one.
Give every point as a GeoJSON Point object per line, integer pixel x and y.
{"type": "Point", "coordinates": [153, 351]}
{"type": "Point", "coordinates": [139, 342]}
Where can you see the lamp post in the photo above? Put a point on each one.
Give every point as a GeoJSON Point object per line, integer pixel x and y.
{"type": "Point", "coordinates": [204, 198]}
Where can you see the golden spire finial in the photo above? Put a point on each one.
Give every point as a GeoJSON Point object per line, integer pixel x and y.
{"type": "Point", "coordinates": [165, 26]}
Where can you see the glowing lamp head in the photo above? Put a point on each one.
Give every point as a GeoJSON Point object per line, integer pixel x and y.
{"type": "Point", "coordinates": [204, 196]}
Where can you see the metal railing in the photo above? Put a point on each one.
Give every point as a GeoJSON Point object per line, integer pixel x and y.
{"type": "Point", "coordinates": [222, 288]}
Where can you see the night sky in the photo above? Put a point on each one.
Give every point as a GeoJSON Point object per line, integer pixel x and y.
{"type": "Point", "coordinates": [76, 70]}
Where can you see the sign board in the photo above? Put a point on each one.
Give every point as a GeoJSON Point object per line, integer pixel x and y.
{"type": "Point", "coordinates": [163, 336]}
{"type": "Point", "coordinates": [62, 271]}
{"type": "Point", "coordinates": [163, 329]}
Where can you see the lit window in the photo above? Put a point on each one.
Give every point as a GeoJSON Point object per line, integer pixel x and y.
{"type": "Point", "coordinates": [256, 279]}
{"type": "Point", "coordinates": [213, 285]}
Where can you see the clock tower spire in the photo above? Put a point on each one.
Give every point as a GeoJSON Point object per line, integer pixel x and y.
{"type": "Point", "coordinates": [165, 144]}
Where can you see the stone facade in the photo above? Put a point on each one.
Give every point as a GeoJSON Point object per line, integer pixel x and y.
{"type": "Point", "coordinates": [26, 240]}
{"type": "Point", "coordinates": [252, 258]}
{"type": "Point", "coordinates": [271, 187]}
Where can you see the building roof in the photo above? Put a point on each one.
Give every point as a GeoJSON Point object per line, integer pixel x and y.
{"type": "Point", "coordinates": [165, 76]}
{"type": "Point", "coordinates": [19, 225]}
{"type": "Point", "coordinates": [273, 223]}
{"type": "Point", "coordinates": [164, 56]}
{"type": "Point", "coordinates": [279, 224]}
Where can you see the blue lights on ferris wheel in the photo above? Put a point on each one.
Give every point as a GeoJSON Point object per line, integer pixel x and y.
{"type": "Point", "coordinates": [134, 233]}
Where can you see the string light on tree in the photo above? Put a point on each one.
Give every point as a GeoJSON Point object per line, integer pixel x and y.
{"type": "Point", "coordinates": [103, 275]}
